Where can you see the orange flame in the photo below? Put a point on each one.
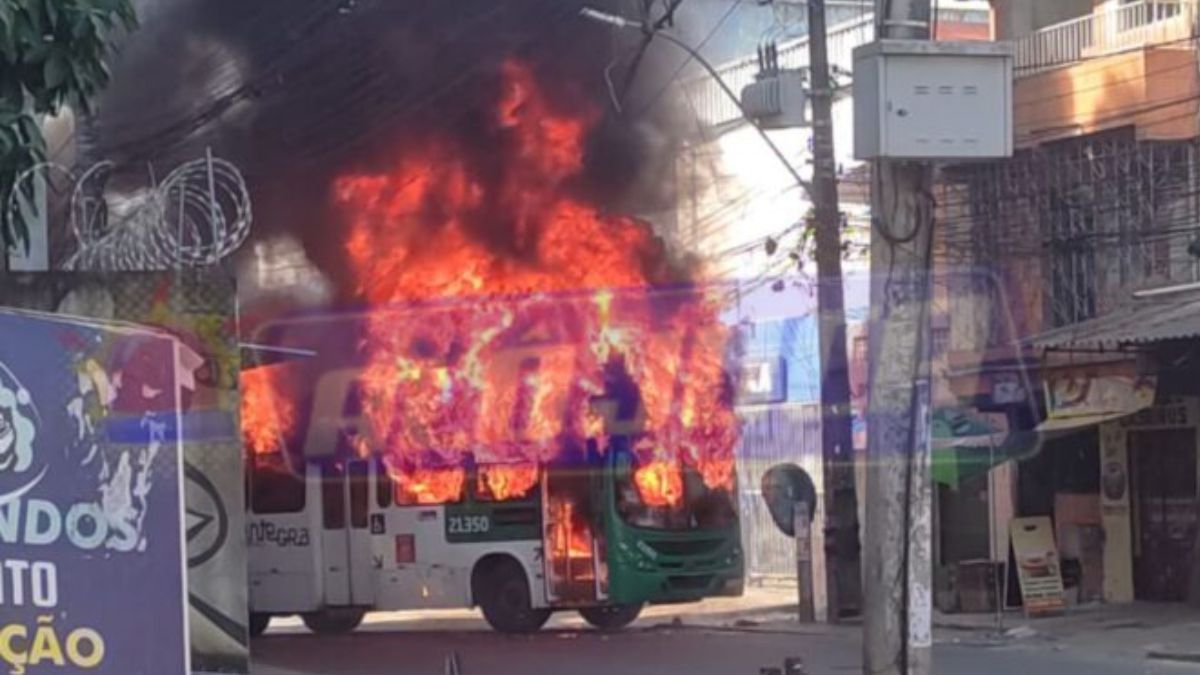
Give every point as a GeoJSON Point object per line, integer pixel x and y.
{"type": "Point", "coordinates": [427, 486]}
{"type": "Point", "coordinates": [504, 482]}
{"type": "Point", "coordinates": [570, 538]}
{"type": "Point", "coordinates": [659, 484]}
{"type": "Point", "coordinates": [577, 546]}
{"type": "Point", "coordinates": [510, 381]}
{"type": "Point", "coordinates": [267, 414]}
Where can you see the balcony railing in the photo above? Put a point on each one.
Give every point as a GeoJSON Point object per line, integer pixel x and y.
{"type": "Point", "coordinates": [712, 107]}
{"type": "Point", "coordinates": [1101, 33]}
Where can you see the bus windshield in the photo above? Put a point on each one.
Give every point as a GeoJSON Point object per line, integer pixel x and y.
{"type": "Point", "coordinates": [698, 506]}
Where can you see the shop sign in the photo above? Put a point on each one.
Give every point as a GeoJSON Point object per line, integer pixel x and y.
{"type": "Point", "coordinates": [763, 381]}
{"type": "Point", "coordinates": [1114, 482]}
{"type": "Point", "coordinates": [1038, 566]}
{"type": "Point", "coordinates": [92, 553]}
{"type": "Point", "coordinates": [198, 309]}
{"type": "Point", "coordinates": [1084, 395]}
{"type": "Point", "coordinates": [1007, 390]}
{"type": "Point", "coordinates": [1178, 412]}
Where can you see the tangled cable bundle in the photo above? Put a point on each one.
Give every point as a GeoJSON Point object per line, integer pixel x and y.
{"type": "Point", "coordinates": [199, 214]}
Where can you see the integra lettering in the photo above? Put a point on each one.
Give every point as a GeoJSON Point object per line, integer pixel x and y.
{"type": "Point", "coordinates": [283, 537]}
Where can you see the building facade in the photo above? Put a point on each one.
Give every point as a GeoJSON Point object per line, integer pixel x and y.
{"type": "Point", "coordinates": [1088, 240]}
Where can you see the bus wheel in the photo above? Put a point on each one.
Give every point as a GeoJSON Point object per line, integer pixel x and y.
{"type": "Point", "coordinates": [258, 623]}
{"type": "Point", "coordinates": [333, 621]}
{"type": "Point", "coordinates": [506, 601]}
{"type": "Point", "coordinates": [611, 617]}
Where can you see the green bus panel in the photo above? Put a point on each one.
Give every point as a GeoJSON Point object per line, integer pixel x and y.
{"type": "Point", "coordinates": [474, 522]}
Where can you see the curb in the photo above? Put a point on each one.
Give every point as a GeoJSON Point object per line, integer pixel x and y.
{"type": "Point", "coordinates": [1177, 657]}
{"type": "Point", "coordinates": [963, 627]}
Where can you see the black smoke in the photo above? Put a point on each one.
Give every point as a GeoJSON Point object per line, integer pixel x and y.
{"type": "Point", "coordinates": [296, 92]}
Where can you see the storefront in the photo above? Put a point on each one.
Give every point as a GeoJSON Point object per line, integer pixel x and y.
{"type": "Point", "coordinates": [980, 432]}
{"type": "Point", "coordinates": [1057, 468]}
{"type": "Point", "coordinates": [1149, 489]}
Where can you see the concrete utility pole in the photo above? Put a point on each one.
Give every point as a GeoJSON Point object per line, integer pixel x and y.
{"type": "Point", "coordinates": [803, 537]}
{"type": "Point", "coordinates": [843, 571]}
{"type": "Point", "coordinates": [898, 575]}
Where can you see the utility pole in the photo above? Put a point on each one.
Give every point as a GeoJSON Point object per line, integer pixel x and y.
{"type": "Point", "coordinates": [898, 577]}
{"type": "Point", "coordinates": [843, 570]}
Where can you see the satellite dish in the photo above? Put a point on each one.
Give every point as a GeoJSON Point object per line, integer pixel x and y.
{"type": "Point", "coordinates": [784, 486]}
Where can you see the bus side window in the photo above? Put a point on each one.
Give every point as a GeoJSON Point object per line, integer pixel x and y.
{"type": "Point", "coordinates": [333, 506]}
{"type": "Point", "coordinates": [360, 493]}
{"type": "Point", "coordinates": [248, 480]}
{"type": "Point", "coordinates": [351, 439]}
{"type": "Point", "coordinates": [383, 486]}
{"type": "Point", "coordinates": [274, 486]}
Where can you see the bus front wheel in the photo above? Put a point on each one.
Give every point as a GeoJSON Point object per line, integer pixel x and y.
{"type": "Point", "coordinates": [333, 621]}
{"type": "Point", "coordinates": [611, 617]}
{"type": "Point", "coordinates": [259, 623]}
{"type": "Point", "coordinates": [506, 601]}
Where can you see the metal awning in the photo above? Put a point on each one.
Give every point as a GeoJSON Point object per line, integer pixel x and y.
{"type": "Point", "coordinates": [966, 445]}
{"type": "Point", "coordinates": [952, 465]}
{"type": "Point", "coordinates": [1141, 322]}
{"type": "Point", "coordinates": [1066, 425]}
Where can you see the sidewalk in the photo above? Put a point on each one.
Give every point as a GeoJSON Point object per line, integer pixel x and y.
{"type": "Point", "coordinates": [1163, 632]}
{"type": "Point", "coordinates": [1168, 632]}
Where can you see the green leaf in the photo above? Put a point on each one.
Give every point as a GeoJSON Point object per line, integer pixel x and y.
{"type": "Point", "coordinates": [33, 21]}
{"type": "Point", "coordinates": [20, 234]}
{"type": "Point", "coordinates": [44, 100]}
{"type": "Point", "coordinates": [51, 52]}
{"type": "Point", "coordinates": [55, 70]}
{"type": "Point", "coordinates": [32, 132]}
{"type": "Point", "coordinates": [22, 25]}
{"type": "Point", "coordinates": [12, 96]}
{"type": "Point", "coordinates": [50, 9]}
{"type": "Point", "coordinates": [81, 25]}
{"type": "Point", "coordinates": [8, 47]}
{"type": "Point", "coordinates": [8, 140]}
{"type": "Point", "coordinates": [35, 53]}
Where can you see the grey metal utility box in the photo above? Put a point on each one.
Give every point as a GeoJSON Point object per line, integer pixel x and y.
{"type": "Point", "coordinates": [933, 100]}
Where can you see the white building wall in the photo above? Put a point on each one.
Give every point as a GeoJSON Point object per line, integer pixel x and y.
{"type": "Point", "coordinates": [734, 194]}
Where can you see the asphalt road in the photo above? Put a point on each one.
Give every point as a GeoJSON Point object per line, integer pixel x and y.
{"type": "Point", "coordinates": [645, 650]}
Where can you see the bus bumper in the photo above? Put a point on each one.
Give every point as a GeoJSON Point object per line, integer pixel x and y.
{"type": "Point", "coordinates": [664, 569]}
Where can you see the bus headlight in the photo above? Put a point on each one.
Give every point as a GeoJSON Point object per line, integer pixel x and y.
{"type": "Point", "coordinates": [734, 556]}
{"type": "Point", "coordinates": [632, 556]}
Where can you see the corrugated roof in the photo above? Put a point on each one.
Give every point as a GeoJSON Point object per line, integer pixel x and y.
{"type": "Point", "coordinates": [1143, 321]}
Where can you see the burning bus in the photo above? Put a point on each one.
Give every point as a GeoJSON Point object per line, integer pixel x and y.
{"type": "Point", "coordinates": [522, 455]}
{"type": "Point", "coordinates": [532, 410]}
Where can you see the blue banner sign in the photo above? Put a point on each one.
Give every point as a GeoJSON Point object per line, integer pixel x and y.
{"type": "Point", "coordinates": [92, 568]}
{"type": "Point", "coordinates": [763, 381]}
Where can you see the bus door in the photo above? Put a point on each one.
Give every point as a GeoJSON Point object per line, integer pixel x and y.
{"type": "Point", "coordinates": [345, 533]}
{"type": "Point", "coordinates": [575, 566]}
{"type": "Point", "coordinates": [283, 540]}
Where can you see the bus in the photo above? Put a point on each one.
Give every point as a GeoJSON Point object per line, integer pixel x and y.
{"type": "Point", "coordinates": [337, 528]}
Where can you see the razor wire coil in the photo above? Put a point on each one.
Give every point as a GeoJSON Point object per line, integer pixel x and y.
{"type": "Point", "coordinates": [199, 214]}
